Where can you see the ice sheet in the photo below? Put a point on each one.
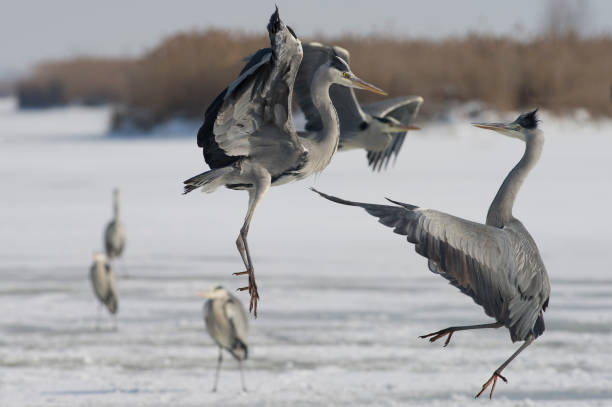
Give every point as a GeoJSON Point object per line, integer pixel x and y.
{"type": "Point", "coordinates": [342, 298]}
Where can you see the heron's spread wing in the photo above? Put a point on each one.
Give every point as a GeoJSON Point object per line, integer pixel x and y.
{"type": "Point", "coordinates": [343, 98]}
{"type": "Point", "coordinates": [404, 109]}
{"type": "Point", "coordinates": [481, 260]}
{"type": "Point", "coordinates": [261, 96]}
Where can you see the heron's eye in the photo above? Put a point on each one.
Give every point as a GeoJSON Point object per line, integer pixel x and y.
{"type": "Point", "coordinates": [346, 75]}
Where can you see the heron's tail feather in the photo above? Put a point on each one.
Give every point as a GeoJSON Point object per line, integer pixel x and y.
{"type": "Point", "coordinates": [240, 350]}
{"type": "Point", "coordinates": [208, 181]}
{"type": "Point", "coordinates": [111, 303]}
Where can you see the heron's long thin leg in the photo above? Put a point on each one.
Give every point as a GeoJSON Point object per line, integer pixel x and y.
{"type": "Point", "coordinates": [219, 360]}
{"type": "Point", "coordinates": [450, 330]}
{"type": "Point", "coordinates": [255, 196]}
{"type": "Point", "coordinates": [242, 376]}
{"type": "Point", "coordinates": [497, 373]}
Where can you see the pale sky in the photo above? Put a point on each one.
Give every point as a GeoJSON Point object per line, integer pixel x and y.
{"type": "Point", "coordinates": [31, 31]}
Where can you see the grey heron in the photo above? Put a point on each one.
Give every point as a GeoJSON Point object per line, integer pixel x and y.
{"type": "Point", "coordinates": [249, 138]}
{"type": "Point", "coordinates": [379, 128]}
{"type": "Point", "coordinates": [227, 324]}
{"type": "Point", "coordinates": [114, 234]}
{"type": "Point", "coordinates": [497, 263]}
{"type": "Point", "coordinates": [104, 283]}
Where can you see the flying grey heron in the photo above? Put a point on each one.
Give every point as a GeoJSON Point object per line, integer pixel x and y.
{"type": "Point", "coordinates": [379, 128]}
{"type": "Point", "coordinates": [227, 323]}
{"type": "Point", "coordinates": [497, 263]}
{"type": "Point", "coordinates": [104, 283]}
{"type": "Point", "coordinates": [248, 136]}
{"type": "Point", "coordinates": [114, 234]}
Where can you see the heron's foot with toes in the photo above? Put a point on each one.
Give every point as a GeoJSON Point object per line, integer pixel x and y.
{"type": "Point", "coordinates": [440, 334]}
{"type": "Point", "coordinates": [493, 380]}
{"type": "Point", "coordinates": [252, 288]}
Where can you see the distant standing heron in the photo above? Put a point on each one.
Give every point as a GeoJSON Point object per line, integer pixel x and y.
{"type": "Point", "coordinates": [497, 264]}
{"type": "Point", "coordinates": [379, 128]}
{"type": "Point", "coordinates": [248, 136]}
{"type": "Point", "coordinates": [114, 234]}
{"type": "Point", "coordinates": [227, 323]}
{"type": "Point", "coordinates": [104, 283]}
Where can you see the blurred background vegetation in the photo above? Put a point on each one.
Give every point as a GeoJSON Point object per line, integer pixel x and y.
{"type": "Point", "coordinates": [559, 70]}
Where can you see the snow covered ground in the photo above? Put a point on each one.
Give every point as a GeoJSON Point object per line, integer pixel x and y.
{"type": "Point", "coordinates": [342, 298]}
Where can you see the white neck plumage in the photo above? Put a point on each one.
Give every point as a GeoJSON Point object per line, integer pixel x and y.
{"type": "Point", "coordinates": [500, 211]}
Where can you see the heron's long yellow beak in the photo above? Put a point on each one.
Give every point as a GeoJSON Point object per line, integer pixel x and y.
{"type": "Point", "coordinates": [361, 84]}
{"type": "Point", "coordinates": [503, 128]}
{"type": "Point", "coordinates": [489, 126]}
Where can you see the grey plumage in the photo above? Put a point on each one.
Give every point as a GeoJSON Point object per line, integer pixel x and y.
{"type": "Point", "coordinates": [379, 128]}
{"type": "Point", "coordinates": [227, 324]}
{"type": "Point", "coordinates": [497, 263]}
{"type": "Point", "coordinates": [104, 283]}
{"type": "Point", "coordinates": [114, 234]}
{"type": "Point", "coordinates": [248, 136]}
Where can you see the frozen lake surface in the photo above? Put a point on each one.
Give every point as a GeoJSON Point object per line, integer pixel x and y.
{"type": "Point", "coordinates": [342, 298]}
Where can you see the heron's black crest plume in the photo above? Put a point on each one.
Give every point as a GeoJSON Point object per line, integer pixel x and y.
{"type": "Point", "coordinates": [528, 120]}
{"type": "Point", "coordinates": [274, 25]}
{"type": "Point", "coordinates": [339, 63]}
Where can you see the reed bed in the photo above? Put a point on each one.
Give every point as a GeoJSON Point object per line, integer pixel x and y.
{"type": "Point", "coordinates": [182, 75]}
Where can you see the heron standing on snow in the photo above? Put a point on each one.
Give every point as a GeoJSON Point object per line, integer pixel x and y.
{"type": "Point", "coordinates": [497, 263]}
{"type": "Point", "coordinates": [379, 128]}
{"type": "Point", "coordinates": [104, 284]}
{"type": "Point", "coordinates": [226, 322]}
{"type": "Point", "coordinates": [114, 234]}
{"type": "Point", "coordinates": [248, 136]}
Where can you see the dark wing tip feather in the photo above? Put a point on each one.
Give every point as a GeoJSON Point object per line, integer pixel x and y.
{"type": "Point", "coordinates": [394, 217]}
{"type": "Point", "coordinates": [336, 199]}
{"type": "Point", "coordinates": [379, 160]}
{"type": "Point", "coordinates": [189, 188]}
{"type": "Point", "coordinates": [404, 205]}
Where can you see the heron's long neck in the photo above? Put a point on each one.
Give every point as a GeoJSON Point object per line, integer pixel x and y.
{"type": "Point", "coordinates": [116, 207]}
{"type": "Point", "coordinates": [500, 211]}
{"type": "Point", "coordinates": [326, 140]}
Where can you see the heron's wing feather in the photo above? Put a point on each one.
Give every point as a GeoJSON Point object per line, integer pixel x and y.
{"type": "Point", "coordinates": [250, 80]}
{"type": "Point", "coordinates": [404, 109]}
{"type": "Point", "coordinates": [112, 298]}
{"type": "Point", "coordinates": [238, 319]}
{"type": "Point", "coordinates": [98, 280]}
{"type": "Point", "coordinates": [261, 96]}
{"type": "Point", "coordinates": [478, 259]}
{"type": "Point", "coordinates": [238, 325]}
{"type": "Point", "coordinates": [377, 160]}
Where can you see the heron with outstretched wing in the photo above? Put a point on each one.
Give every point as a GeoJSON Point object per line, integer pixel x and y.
{"type": "Point", "coordinates": [497, 263]}
{"type": "Point", "coordinates": [248, 136]}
